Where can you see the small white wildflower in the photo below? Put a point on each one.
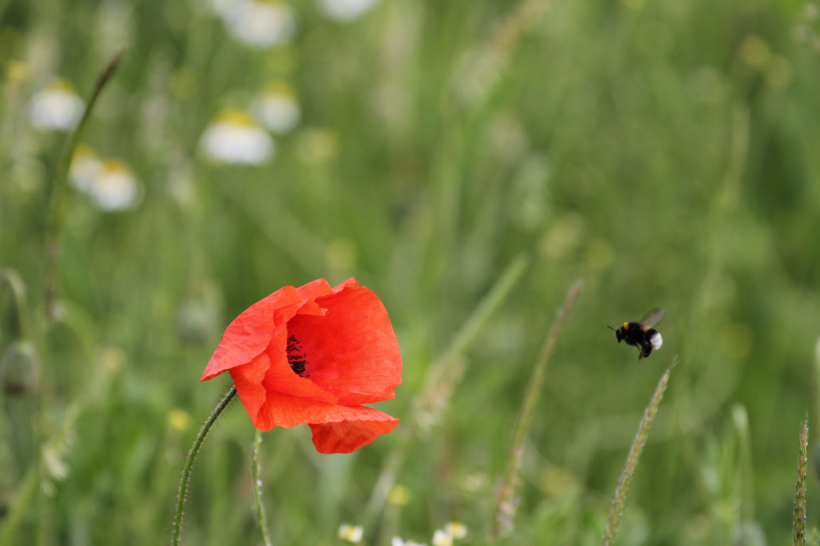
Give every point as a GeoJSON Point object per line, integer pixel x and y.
{"type": "Point", "coordinates": [57, 107]}
{"type": "Point", "coordinates": [278, 108]}
{"type": "Point", "coordinates": [115, 187]}
{"type": "Point", "coordinates": [456, 529]}
{"type": "Point", "coordinates": [234, 138]}
{"type": "Point", "coordinates": [261, 23]}
{"type": "Point", "coordinates": [346, 10]}
{"type": "Point", "coordinates": [442, 538]}
{"type": "Point", "coordinates": [351, 533]}
{"type": "Point", "coordinates": [85, 168]}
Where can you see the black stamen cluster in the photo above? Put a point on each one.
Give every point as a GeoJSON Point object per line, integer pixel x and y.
{"type": "Point", "coordinates": [296, 358]}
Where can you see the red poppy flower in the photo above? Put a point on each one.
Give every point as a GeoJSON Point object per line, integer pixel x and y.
{"type": "Point", "coordinates": [314, 355]}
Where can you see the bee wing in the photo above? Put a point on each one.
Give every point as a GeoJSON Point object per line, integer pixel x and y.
{"type": "Point", "coordinates": [653, 317]}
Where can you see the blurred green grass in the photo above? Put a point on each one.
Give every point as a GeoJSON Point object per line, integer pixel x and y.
{"type": "Point", "coordinates": [666, 151]}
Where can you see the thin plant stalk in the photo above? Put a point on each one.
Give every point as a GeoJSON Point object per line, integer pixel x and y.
{"type": "Point", "coordinates": [800, 488]}
{"type": "Point", "coordinates": [635, 451]}
{"type": "Point", "coordinates": [505, 509]}
{"type": "Point", "coordinates": [59, 192]}
{"type": "Point", "coordinates": [256, 474]}
{"type": "Point", "coordinates": [816, 377]}
{"type": "Point", "coordinates": [488, 306]}
{"type": "Point", "coordinates": [189, 462]}
{"type": "Point", "coordinates": [442, 376]}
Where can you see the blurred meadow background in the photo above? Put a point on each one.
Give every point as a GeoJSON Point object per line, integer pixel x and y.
{"type": "Point", "coordinates": [443, 153]}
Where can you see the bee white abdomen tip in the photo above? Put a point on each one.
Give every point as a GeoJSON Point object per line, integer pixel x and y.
{"type": "Point", "coordinates": [656, 341]}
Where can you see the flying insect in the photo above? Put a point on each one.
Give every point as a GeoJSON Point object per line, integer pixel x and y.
{"type": "Point", "coordinates": [642, 334]}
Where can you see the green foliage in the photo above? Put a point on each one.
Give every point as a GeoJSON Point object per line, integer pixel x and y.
{"type": "Point", "coordinates": [666, 151]}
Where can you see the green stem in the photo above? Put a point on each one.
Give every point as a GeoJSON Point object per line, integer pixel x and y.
{"type": "Point", "coordinates": [256, 474]}
{"type": "Point", "coordinates": [189, 463]}
{"type": "Point", "coordinates": [59, 192]}
{"type": "Point", "coordinates": [505, 510]}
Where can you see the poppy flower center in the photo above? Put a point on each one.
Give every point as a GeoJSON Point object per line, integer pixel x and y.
{"type": "Point", "coordinates": [297, 358]}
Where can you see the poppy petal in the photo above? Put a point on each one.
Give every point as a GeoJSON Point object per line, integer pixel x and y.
{"type": "Point", "coordinates": [310, 307]}
{"type": "Point", "coordinates": [249, 333]}
{"type": "Point", "coordinates": [353, 352]}
{"type": "Point", "coordinates": [349, 283]}
{"type": "Point", "coordinates": [313, 290]}
{"type": "Point", "coordinates": [248, 382]}
{"type": "Point", "coordinates": [350, 435]}
{"type": "Point", "coordinates": [336, 429]}
{"type": "Point", "coordinates": [280, 377]}
{"type": "Point", "coordinates": [265, 377]}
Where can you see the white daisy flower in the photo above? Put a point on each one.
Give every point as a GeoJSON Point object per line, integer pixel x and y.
{"type": "Point", "coordinates": [278, 108]}
{"type": "Point", "coordinates": [115, 187]}
{"type": "Point", "coordinates": [351, 533]}
{"type": "Point", "coordinates": [442, 538]}
{"type": "Point", "coordinates": [85, 168]}
{"type": "Point", "coordinates": [235, 138]}
{"type": "Point", "coordinates": [346, 10]}
{"type": "Point", "coordinates": [261, 23]}
{"type": "Point", "coordinates": [456, 529]}
{"type": "Point", "coordinates": [57, 107]}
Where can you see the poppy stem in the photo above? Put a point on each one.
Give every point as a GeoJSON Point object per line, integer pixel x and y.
{"type": "Point", "coordinates": [189, 463]}
{"type": "Point", "coordinates": [258, 507]}
{"type": "Point", "coordinates": [59, 191]}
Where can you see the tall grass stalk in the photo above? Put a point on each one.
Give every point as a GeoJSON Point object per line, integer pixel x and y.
{"type": "Point", "coordinates": [635, 451]}
{"type": "Point", "coordinates": [59, 192]}
{"type": "Point", "coordinates": [800, 488]}
{"type": "Point", "coordinates": [189, 462]}
{"type": "Point", "coordinates": [258, 506]}
{"type": "Point", "coordinates": [816, 397]}
{"type": "Point", "coordinates": [442, 377]}
{"type": "Point", "coordinates": [505, 509]}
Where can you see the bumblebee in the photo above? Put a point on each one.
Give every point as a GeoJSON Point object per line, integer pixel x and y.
{"type": "Point", "coordinates": [642, 334]}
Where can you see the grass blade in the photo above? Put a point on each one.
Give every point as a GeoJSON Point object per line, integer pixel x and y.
{"type": "Point", "coordinates": [800, 488]}
{"type": "Point", "coordinates": [442, 377]}
{"type": "Point", "coordinates": [635, 451]}
{"type": "Point", "coordinates": [505, 509]}
{"type": "Point", "coordinates": [59, 192]}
